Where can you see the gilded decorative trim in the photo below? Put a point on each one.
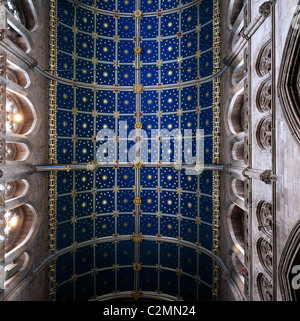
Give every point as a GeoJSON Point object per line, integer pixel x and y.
{"type": "Point", "coordinates": [216, 146]}
{"type": "Point", "coordinates": [52, 190]}
{"type": "Point", "coordinates": [146, 295]}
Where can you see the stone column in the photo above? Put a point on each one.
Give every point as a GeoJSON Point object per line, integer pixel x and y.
{"type": "Point", "coordinates": [266, 176]}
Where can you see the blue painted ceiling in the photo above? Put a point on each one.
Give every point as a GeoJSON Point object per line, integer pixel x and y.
{"type": "Point", "coordinates": [88, 204]}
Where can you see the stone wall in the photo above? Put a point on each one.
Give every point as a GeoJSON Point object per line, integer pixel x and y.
{"type": "Point", "coordinates": [23, 50]}
{"type": "Point", "coordinates": [270, 203]}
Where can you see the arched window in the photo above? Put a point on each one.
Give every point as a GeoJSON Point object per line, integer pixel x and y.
{"type": "Point", "coordinates": [19, 115]}
{"type": "Point", "coordinates": [238, 151]}
{"type": "Point", "coordinates": [237, 223]}
{"type": "Point", "coordinates": [264, 133]}
{"type": "Point", "coordinates": [238, 73]}
{"type": "Point", "coordinates": [15, 268]}
{"type": "Point", "coordinates": [19, 224]}
{"type": "Point", "coordinates": [264, 60]}
{"type": "Point", "coordinates": [265, 287]}
{"type": "Point", "coordinates": [238, 188]}
{"type": "Point", "coordinates": [15, 189]}
{"type": "Point", "coordinates": [17, 75]}
{"type": "Point", "coordinates": [264, 96]}
{"type": "Point", "coordinates": [264, 217]}
{"type": "Point", "coordinates": [236, 113]}
{"type": "Point", "coordinates": [22, 11]}
{"type": "Point", "coordinates": [20, 19]}
{"type": "Point", "coordinates": [14, 116]}
{"type": "Point", "coordinates": [265, 254]}
{"type": "Point", "coordinates": [16, 151]}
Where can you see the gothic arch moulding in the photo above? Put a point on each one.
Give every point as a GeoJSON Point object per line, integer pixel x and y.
{"type": "Point", "coordinates": [264, 60]}
{"type": "Point", "coordinates": [235, 8]}
{"type": "Point", "coordinates": [290, 257]}
{"type": "Point", "coordinates": [289, 80]}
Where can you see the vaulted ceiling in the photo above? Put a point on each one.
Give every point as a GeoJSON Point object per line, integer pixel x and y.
{"type": "Point", "coordinates": [96, 45]}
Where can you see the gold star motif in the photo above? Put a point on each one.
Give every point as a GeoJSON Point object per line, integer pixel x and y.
{"type": "Point", "coordinates": [115, 267]}
{"type": "Point", "coordinates": [179, 272]}
{"type": "Point", "coordinates": [138, 88]}
{"type": "Point", "coordinates": [136, 294]}
{"type": "Point", "coordinates": [179, 112]}
{"type": "Point", "coordinates": [116, 240]}
{"type": "Point", "coordinates": [73, 219]}
{"type": "Point", "coordinates": [198, 54]}
{"type": "Point", "coordinates": [116, 114]}
{"type": "Point", "coordinates": [73, 245]}
{"type": "Point", "coordinates": [137, 201]}
{"type": "Point", "coordinates": [179, 217]}
{"type": "Point", "coordinates": [74, 111]}
{"type": "Point", "coordinates": [198, 220]}
{"type": "Point", "coordinates": [137, 164]}
{"type": "Point", "coordinates": [74, 278]}
{"type": "Point", "coordinates": [74, 29]}
{"type": "Point", "coordinates": [137, 14]}
{"type": "Point", "coordinates": [94, 84]}
{"type": "Point", "coordinates": [179, 190]}
{"type": "Point", "coordinates": [94, 216]}
{"type": "Point", "coordinates": [198, 28]}
{"type": "Point", "coordinates": [116, 189]}
{"type": "Point", "coordinates": [198, 136]}
{"type": "Point", "coordinates": [137, 50]}
{"type": "Point", "coordinates": [94, 61]}
{"type": "Point", "coordinates": [136, 266]}
{"type": "Point", "coordinates": [138, 125]}
{"type": "Point", "coordinates": [179, 137]}
{"type": "Point", "coordinates": [198, 279]}
{"type": "Point", "coordinates": [73, 193]}
{"type": "Point", "coordinates": [116, 213]}
{"type": "Point", "coordinates": [94, 271]}
{"type": "Point", "coordinates": [137, 237]}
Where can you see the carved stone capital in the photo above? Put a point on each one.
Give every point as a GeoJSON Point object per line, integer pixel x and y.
{"type": "Point", "coordinates": [244, 172]}
{"type": "Point", "coordinates": [266, 7]}
{"type": "Point", "coordinates": [268, 177]}
{"type": "Point", "coordinates": [31, 169]}
{"type": "Point", "coordinates": [227, 61]}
